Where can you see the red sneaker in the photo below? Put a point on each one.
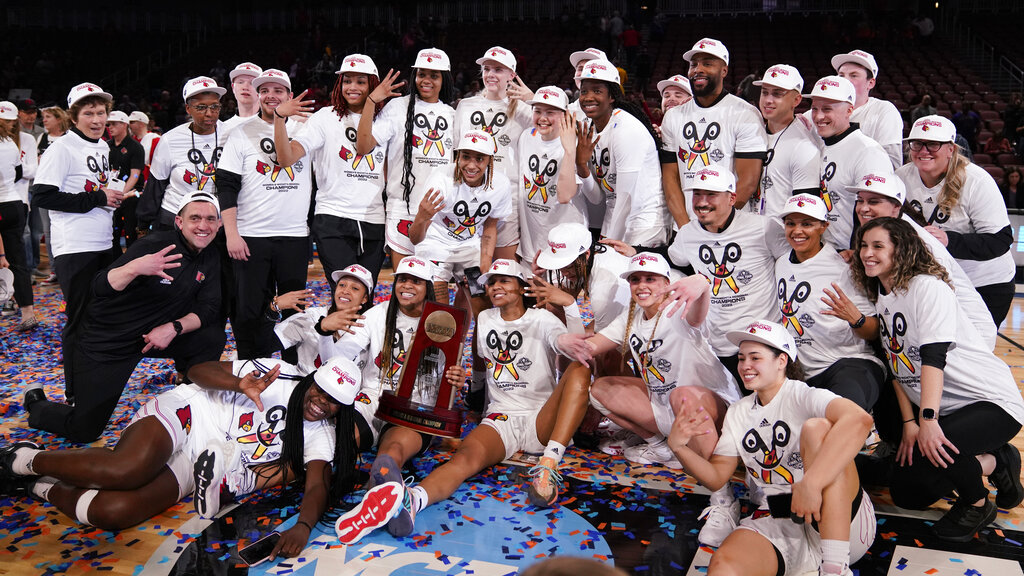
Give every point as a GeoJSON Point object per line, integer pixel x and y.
{"type": "Point", "coordinates": [376, 508]}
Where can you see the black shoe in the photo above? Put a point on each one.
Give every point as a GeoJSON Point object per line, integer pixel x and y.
{"type": "Point", "coordinates": [875, 471]}
{"type": "Point", "coordinates": [33, 395]}
{"type": "Point", "coordinates": [1006, 477]}
{"type": "Point", "coordinates": [7, 474]}
{"type": "Point", "coordinates": [963, 521]}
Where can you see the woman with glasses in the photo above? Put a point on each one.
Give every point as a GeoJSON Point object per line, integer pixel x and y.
{"type": "Point", "coordinates": [963, 209]}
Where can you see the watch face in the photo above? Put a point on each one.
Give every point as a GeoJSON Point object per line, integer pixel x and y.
{"type": "Point", "coordinates": [928, 414]}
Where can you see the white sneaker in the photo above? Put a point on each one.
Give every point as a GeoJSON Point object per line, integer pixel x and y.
{"type": "Point", "coordinates": [652, 454]}
{"type": "Point", "coordinates": [720, 521]}
{"type": "Point", "coordinates": [619, 441]}
{"type": "Point", "coordinates": [208, 476]}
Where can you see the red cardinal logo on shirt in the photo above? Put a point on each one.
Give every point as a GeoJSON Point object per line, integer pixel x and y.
{"type": "Point", "coordinates": [362, 397]}
{"type": "Point", "coordinates": [245, 421]}
{"type": "Point", "coordinates": [265, 437]}
{"type": "Point", "coordinates": [191, 179]}
{"type": "Point", "coordinates": [274, 171]}
{"type": "Point", "coordinates": [398, 354]}
{"type": "Point", "coordinates": [185, 418]}
{"type": "Point", "coordinates": [91, 186]}
{"type": "Point", "coordinates": [403, 227]}
{"type": "Point", "coordinates": [357, 159]}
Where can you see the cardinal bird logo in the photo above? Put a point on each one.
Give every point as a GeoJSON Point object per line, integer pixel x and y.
{"type": "Point", "coordinates": [767, 455]}
{"type": "Point", "coordinates": [893, 343]}
{"type": "Point", "coordinates": [274, 170]}
{"type": "Point", "coordinates": [503, 353]}
{"type": "Point", "coordinates": [266, 435]}
{"type": "Point", "coordinates": [403, 227]}
{"type": "Point", "coordinates": [356, 159]}
{"type": "Point", "coordinates": [788, 303]}
{"type": "Point", "coordinates": [466, 221]}
{"type": "Point", "coordinates": [646, 356]}
{"type": "Point", "coordinates": [539, 179]}
{"type": "Point", "coordinates": [245, 421]}
{"type": "Point", "coordinates": [192, 179]}
{"type": "Point", "coordinates": [699, 146]}
{"type": "Point", "coordinates": [719, 269]}
{"type": "Point", "coordinates": [184, 415]}
{"type": "Point", "coordinates": [433, 134]}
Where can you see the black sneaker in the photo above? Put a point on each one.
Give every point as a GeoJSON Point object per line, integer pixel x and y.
{"type": "Point", "coordinates": [1006, 477]}
{"type": "Point", "coordinates": [7, 474]}
{"type": "Point", "coordinates": [963, 521]}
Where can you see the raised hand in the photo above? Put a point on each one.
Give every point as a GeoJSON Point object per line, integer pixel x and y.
{"type": "Point", "coordinates": [296, 106]}
{"type": "Point", "coordinates": [253, 384]}
{"type": "Point", "coordinates": [432, 203]}
{"type": "Point", "coordinates": [548, 293]}
{"type": "Point", "coordinates": [387, 88]}
{"type": "Point", "coordinates": [156, 263]}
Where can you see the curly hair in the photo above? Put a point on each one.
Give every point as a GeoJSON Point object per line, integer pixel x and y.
{"type": "Point", "coordinates": [340, 105]}
{"type": "Point", "coordinates": [910, 257]}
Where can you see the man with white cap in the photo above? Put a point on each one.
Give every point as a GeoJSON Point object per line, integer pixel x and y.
{"type": "Point", "coordinates": [244, 92]}
{"type": "Point", "coordinates": [715, 127]}
{"type": "Point", "coordinates": [879, 119]}
{"type": "Point", "coordinates": [264, 206]}
{"type": "Point", "coordinates": [72, 182]}
{"type": "Point", "coordinates": [547, 169]}
{"type": "Point", "coordinates": [675, 91]}
{"type": "Point", "coordinates": [793, 158]}
{"type": "Point", "coordinates": [848, 154]}
{"type": "Point", "coordinates": [186, 158]}
{"type": "Point", "coordinates": [127, 160]}
{"type": "Point", "coordinates": [161, 298]}
{"type": "Point", "coordinates": [138, 123]}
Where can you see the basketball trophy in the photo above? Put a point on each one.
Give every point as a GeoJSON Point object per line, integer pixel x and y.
{"type": "Point", "coordinates": [442, 327]}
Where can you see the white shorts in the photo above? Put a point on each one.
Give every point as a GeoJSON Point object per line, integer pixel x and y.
{"type": "Point", "coordinates": [516, 432]}
{"type": "Point", "coordinates": [653, 236]}
{"type": "Point", "coordinates": [508, 230]}
{"type": "Point", "coordinates": [396, 235]}
{"type": "Point", "coordinates": [800, 544]}
{"type": "Point", "coordinates": [451, 267]}
{"type": "Point", "coordinates": [664, 417]}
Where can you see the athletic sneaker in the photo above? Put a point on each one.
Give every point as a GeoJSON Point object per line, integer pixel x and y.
{"type": "Point", "coordinates": [546, 483]}
{"type": "Point", "coordinates": [7, 454]}
{"type": "Point", "coordinates": [1006, 477]}
{"type": "Point", "coordinates": [376, 508]}
{"type": "Point", "coordinates": [404, 521]}
{"type": "Point", "coordinates": [963, 521]}
{"type": "Point", "coordinates": [652, 454]}
{"type": "Point", "coordinates": [619, 441]}
{"type": "Point", "coordinates": [384, 469]}
{"type": "Point", "coordinates": [208, 476]}
{"type": "Point", "coordinates": [8, 309]}
{"type": "Point", "coordinates": [719, 521]}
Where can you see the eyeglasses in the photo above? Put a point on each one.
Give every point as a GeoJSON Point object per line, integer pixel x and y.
{"type": "Point", "coordinates": [932, 147]}
{"type": "Point", "coordinates": [202, 108]}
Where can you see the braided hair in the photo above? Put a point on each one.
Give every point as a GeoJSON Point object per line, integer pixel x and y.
{"type": "Point", "coordinates": [447, 95]}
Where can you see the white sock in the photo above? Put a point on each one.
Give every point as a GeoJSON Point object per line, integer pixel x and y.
{"type": "Point", "coordinates": [419, 498]}
{"type": "Point", "coordinates": [41, 488]}
{"type": "Point", "coordinates": [22, 464]}
{"type": "Point", "coordinates": [835, 554]}
{"type": "Point", "coordinates": [723, 496]}
{"type": "Point", "coordinates": [654, 440]}
{"type": "Point", "coordinates": [555, 451]}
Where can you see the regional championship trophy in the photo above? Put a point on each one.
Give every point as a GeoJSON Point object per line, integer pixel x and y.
{"type": "Point", "coordinates": [442, 327]}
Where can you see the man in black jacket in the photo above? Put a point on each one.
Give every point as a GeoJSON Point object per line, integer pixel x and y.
{"type": "Point", "coordinates": [161, 298]}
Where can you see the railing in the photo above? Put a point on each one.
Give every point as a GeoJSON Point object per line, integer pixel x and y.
{"type": "Point", "coordinates": [132, 74]}
{"type": "Point", "coordinates": [1004, 75]}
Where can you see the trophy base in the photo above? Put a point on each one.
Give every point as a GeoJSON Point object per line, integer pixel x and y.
{"type": "Point", "coordinates": [419, 417]}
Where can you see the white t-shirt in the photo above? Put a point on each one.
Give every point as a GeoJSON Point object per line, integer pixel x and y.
{"type": "Point", "coordinates": [739, 263]}
{"type": "Point", "coordinates": [767, 438]}
{"type": "Point", "coordinates": [76, 165]}
{"type": "Point", "coordinates": [927, 313]}
{"type": "Point", "coordinates": [822, 340]}
{"type": "Point", "coordinates": [668, 352]}
{"type": "Point", "coordinates": [188, 161]}
{"type": "Point", "coordinates": [792, 163]}
{"type": "Point", "coordinates": [538, 206]}
{"type": "Point", "coordinates": [313, 348]}
{"type": "Point", "coordinates": [148, 143]}
{"type": "Point", "coordinates": [461, 223]}
{"type": "Point", "coordinates": [491, 116]}
{"type": "Point", "coordinates": [10, 158]}
{"type": "Point", "coordinates": [609, 292]}
{"type": "Point", "coordinates": [273, 200]}
{"type": "Point", "coordinates": [625, 170]}
{"type": "Point", "coordinates": [29, 165]}
{"type": "Point", "coordinates": [700, 137]}
{"type": "Point", "coordinates": [980, 210]}
{"type": "Point", "coordinates": [349, 185]}
{"type": "Point", "coordinates": [844, 161]}
{"type": "Point", "coordinates": [520, 357]}
{"type": "Point", "coordinates": [882, 122]}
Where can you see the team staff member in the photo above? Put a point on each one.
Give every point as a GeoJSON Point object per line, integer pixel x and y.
{"type": "Point", "coordinates": [72, 184]}
{"type": "Point", "coordinates": [793, 158]}
{"type": "Point", "coordinates": [264, 212]}
{"type": "Point", "coordinates": [961, 205]}
{"type": "Point", "coordinates": [879, 119]}
{"type": "Point", "coordinates": [675, 91]}
{"type": "Point", "coordinates": [138, 123]}
{"type": "Point", "coordinates": [14, 209]}
{"type": "Point", "coordinates": [714, 128]}
{"type": "Point", "coordinates": [245, 94]}
{"type": "Point", "coordinates": [128, 159]}
{"type": "Point", "coordinates": [186, 158]}
{"type": "Point", "coordinates": [160, 298]}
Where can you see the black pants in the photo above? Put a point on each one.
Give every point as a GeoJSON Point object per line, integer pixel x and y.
{"type": "Point", "coordinates": [998, 298]}
{"type": "Point", "coordinates": [126, 223]}
{"type": "Point", "coordinates": [75, 272]}
{"type": "Point", "coordinates": [99, 385]}
{"type": "Point", "coordinates": [854, 378]}
{"type": "Point", "coordinates": [342, 242]}
{"type": "Point", "coordinates": [12, 230]}
{"type": "Point", "coordinates": [975, 429]}
{"type": "Point", "coordinates": [275, 266]}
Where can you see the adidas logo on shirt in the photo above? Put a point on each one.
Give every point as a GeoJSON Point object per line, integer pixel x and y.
{"type": "Point", "coordinates": [928, 200]}
{"type": "Point", "coordinates": [792, 279]}
{"type": "Point", "coordinates": [764, 423]}
{"type": "Point", "coordinates": [702, 121]}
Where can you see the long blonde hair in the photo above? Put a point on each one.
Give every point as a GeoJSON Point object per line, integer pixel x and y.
{"type": "Point", "coordinates": [9, 130]}
{"type": "Point", "coordinates": [953, 181]}
{"type": "Point", "coordinates": [626, 351]}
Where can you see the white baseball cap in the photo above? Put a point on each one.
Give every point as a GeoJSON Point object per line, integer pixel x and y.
{"type": "Point", "coordinates": [589, 54]}
{"type": "Point", "coordinates": [887, 185]}
{"type": "Point", "coordinates": [599, 69]}
{"type": "Point", "coordinates": [933, 128]}
{"type": "Point", "coordinates": [807, 205]}
{"type": "Point", "coordinates": [782, 76]}
{"type": "Point", "coordinates": [359, 273]}
{"type": "Point", "coordinates": [359, 64]}
{"type": "Point", "coordinates": [500, 55]}
{"type": "Point", "coordinates": [201, 84]}
{"type": "Point", "coordinates": [857, 57]}
{"type": "Point", "coordinates": [200, 196]}
{"type": "Point", "coordinates": [433, 59]}
{"type": "Point", "coordinates": [117, 116]}
{"type": "Point", "coordinates": [139, 116]}
{"type": "Point", "coordinates": [550, 95]}
{"type": "Point", "coordinates": [767, 333]}
{"type": "Point", "coordinates": [648, 262]}
{"type": "Point", "coordinates": [8, 111]}
{"type": "Point", "coordinates": [678, 81]}
{"type": "Point", "coordinates": [565, 244]}
{"type": "Point", "coordinates": [477, 141]}
{"type": "Point", "coordinates": [245, 69]}
{"type": "Point", "coordinates": [86, 89]}
{"type": "Point", "coordinates": [418, 267]}
{"type": "Point", "coordinates": [834, 88]}
{"type": "Point", "coordinates": [708, 46]}
{"type": "Point", "coordinates": [340, 378]}
{"type": "Point", "coordinates": [503, 267]}
{"type": "Point", "coordinates": [272, 75]}
{"type": "Point", "coordinates": [713, 178]}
